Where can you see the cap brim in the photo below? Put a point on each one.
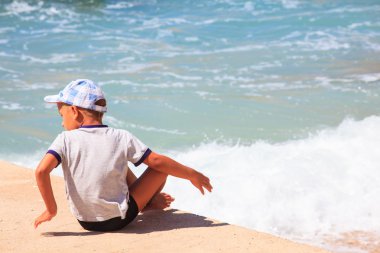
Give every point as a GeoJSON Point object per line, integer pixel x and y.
{"type": "Point", "coordinates": [52, 99]}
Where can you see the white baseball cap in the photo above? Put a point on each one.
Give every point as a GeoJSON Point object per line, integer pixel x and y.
{"type": "Point", "coordinates": [83, 93]}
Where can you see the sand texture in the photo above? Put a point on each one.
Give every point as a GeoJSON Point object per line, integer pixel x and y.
{"type": "Point", "coordinates": [155, 231]}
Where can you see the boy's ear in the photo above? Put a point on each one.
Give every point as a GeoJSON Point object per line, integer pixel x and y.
{"type": "Point", "coordinates": [75, 111]}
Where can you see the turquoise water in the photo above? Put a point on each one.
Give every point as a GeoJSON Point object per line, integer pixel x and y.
{"type": "Point", "coordinates": [230, 79]}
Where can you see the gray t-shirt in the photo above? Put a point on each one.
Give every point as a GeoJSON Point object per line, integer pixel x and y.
{"type": "Point", "coordinates": [95, 165]}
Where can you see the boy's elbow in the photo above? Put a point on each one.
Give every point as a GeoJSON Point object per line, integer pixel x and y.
{"type": "Point", "coordinates": [156, 161]}
{"type": "Point", "coordinates": [40, 172]}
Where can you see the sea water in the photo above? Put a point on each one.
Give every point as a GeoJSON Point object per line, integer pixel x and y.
{"type": "Point", "coordinates": [277, 101]}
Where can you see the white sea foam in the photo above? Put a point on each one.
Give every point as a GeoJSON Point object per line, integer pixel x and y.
{"type": "Point", "coordinates": [162, 33]}
{"type": "Point", "coordinates": [120, 5]}
{"type": "Point", "coordinates": [361, 24]}
{"type": "Point", "coordinates": [292, 35]}
{"type": "Point", "coordinates": [18, 7]}
{"type": "Point", "coordinates": [155, 129]}
{"type": "Point", "coordinates": [206, 22]}
{"type": "Point", "coordinates": [9, 70]}
{"type": "Point", "coordinates": [234, 79]}
{"type": "Point", "coordinates": [339, 84]}
{"type": "Point", "coordinates": [53, 59]}
{"type": "Point", "coordinates": [112, 121]}
{"type": "Point", "coordinates": [156, 23]}
{"type": "Point", "coordinates": [27, 161]}
{"type": "Point", "coordinates": [301, 189]}
{"type": "Point", "coordinates": [313, 41]}
{"type": "Point", "coordinates": [259, 66]}
{"type": "Point", "coordinates": [38, 86]}
{"type": "Point", "coordinates": [271, 86]}
{"type": "Point", "coordinates": [132, 68]}
{"type": "Point", "coordinates": [12, 106]}
{"type": "Point", "coordinates": [244, 48]}
{"type": "Point", "coordinates": [167, 85]}
{"type": "Point", "coordinates": [6, 29]}
{"type": "Point", "coordinates": [208, 96]}
{"type": "Point", "coordinates": [249, 6]}
{"type": "Point", "coordinates": [322, 41]}
{"type": "Point", "coordinates": [182, 77]}
{"type": "Point", "coordinates": [174, 108]}
{"type": "Point", "coordinates": [191, 39]}
{"type": "Point", "coordinates": [352, 9]}
{"type": "Point", "coordinates": [290, 4]}
{"type": "Point", "coordinates": [30, 161]}
{"type": "Point", "coordinates": [373, 46]}
{"type": "Point", "coordinates": [368, 78]}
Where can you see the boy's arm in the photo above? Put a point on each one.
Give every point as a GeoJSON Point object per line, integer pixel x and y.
{"type": "Point", "coordinates": [169, 166]}
{"type": "Point", "coordinates": [47, 164]}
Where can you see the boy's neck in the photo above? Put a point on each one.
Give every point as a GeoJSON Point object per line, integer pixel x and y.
{"type": "Point", "coordinates": [91, 122]}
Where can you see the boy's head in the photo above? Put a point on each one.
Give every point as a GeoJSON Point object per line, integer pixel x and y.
{"type": "Point", "coordinates": [80, 102]}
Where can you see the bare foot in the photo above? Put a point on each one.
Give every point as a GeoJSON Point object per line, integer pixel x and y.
{"type": "Point", "coordinates": [159, 201]}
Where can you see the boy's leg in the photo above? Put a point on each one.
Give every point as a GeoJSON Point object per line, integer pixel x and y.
{"type": "Point", "coordinates": [144, 188]}
{"type": "Point", "coordinates": [131, 179]}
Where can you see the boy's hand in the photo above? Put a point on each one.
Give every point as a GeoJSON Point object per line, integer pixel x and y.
{"type": "Point", "coordinates": [201, 181]}
{"type": "Point", "coordinates": [45, 216]}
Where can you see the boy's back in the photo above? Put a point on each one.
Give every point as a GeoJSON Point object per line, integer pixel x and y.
{"type": "Point", "coordinates": [95, 164]}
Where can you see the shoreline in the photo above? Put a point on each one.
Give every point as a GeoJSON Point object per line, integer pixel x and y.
{"type": "Point", "coordinates": [170, 230]}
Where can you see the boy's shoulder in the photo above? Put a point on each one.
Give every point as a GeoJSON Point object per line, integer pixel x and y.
{"type": "Point", "coordinates": [120, 131]}
{"type": "Point", "coordinates": [84, 131]}
{"type": "Point", "coordinates": [104, 130]}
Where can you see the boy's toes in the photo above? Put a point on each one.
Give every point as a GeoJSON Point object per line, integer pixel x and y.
{"type": "Point", "coordinates": [168, 197]}
{"type": "Point", "coordinates": [159, 202]}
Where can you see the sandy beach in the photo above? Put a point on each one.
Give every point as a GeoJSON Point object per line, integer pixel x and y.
{"type": "Point", "coordinates": [155, 231]}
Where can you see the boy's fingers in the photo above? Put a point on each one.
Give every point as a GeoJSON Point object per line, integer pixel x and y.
{"type": "Point", "coordinates": [36, 223]}
{"type": "Point", "coordinates": [201, 189]}
{"type": "Point", "coordinates": [210, 187]}
{"type": "Point", "coordinates": [207, 185]}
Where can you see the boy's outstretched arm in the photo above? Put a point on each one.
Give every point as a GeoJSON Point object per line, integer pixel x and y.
{"type": "Point", "coordinates": [47, 164]}
{"type": "Point", "coordinates": [169, 166]}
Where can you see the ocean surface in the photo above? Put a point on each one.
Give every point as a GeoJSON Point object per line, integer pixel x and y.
{"type": "Point", "coordinates": [277, 101]}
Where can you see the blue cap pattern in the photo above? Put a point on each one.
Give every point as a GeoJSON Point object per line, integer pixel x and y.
{"type": "Point", "coordinates": [83, 93]}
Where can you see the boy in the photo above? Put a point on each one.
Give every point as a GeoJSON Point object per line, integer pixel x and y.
{"type": "Point", "coordinates": [101, 194]}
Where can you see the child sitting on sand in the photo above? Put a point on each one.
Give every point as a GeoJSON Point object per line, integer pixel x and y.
{"type": "Point", "coordinates": [103, 194]}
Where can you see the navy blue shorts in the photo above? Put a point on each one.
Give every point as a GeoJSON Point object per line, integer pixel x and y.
{"type": "Point", "coordinates": [114, 223]}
